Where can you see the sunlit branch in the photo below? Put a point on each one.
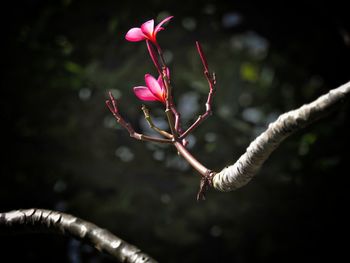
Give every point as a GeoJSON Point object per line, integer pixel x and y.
{"type": "Point", "coordinates": [241, 172]}
{"type": "Point", "coordinates": [39, 220]}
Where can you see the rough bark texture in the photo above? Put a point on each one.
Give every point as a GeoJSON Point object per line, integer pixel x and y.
{"type": "Point", "coordinates": [240, 173]}
{"type": "Point", "coordinates": [66, 224]}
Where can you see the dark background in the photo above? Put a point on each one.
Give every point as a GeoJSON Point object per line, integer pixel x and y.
{"type": "Point", "coordinates": [62, 150]}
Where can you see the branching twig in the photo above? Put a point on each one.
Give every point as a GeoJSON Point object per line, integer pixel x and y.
{"type": "Point", "coordinates": [112, 106]}
{"type": "Point", "coordinates": [152, 125]}
{"type": "Point", "coordinates": [240, 173]}
{"type": "Point", "coordinates": [66, 224]}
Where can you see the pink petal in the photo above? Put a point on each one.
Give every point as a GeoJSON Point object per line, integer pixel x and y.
{"type": "Point", "coordinates": [161, 84]}
{"type": "Point", "coordinates": [168, 72]}
{"type": "Point", "coordinates": [143, 93]}
{"type": "Point", "coordinates": [159, 26]}
{"type": "Point", "coordinates": [134, 35]}
{"type": "Point", "coordinates": [154, 86]}
{"type": "Point", "coordinates": [160, 81]}
{"type": "Point", "coordinates": [147, 27]}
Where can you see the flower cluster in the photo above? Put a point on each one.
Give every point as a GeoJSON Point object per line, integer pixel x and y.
{"type": "Point", "coordinates": [160, 90]}
{"type": "Point", "coordinates": [155, 89]}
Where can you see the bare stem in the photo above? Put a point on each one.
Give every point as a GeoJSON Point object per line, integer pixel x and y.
{"type": "Point", "coordinates": [191, 160]}
{"type": "Point", "coordinates": [206, 174]}
{"type": "Point", "coordinates": [211, 81]}
{"type": "Point", "coordinates": [151, 124]}
{"type": "Point", "coordinates": [112, 106]}
{"type": "Point", "coordinates": [171, 122]}
{"type": "Point", "coordinates": [160, 53]}
{"type": "Point", "coordinates": [154, 56]}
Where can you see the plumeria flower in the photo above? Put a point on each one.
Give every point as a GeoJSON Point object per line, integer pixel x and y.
{"type": "Point", "coordinates": [154, 90]}
{"type": "Point", "coordinates": [146, 32]}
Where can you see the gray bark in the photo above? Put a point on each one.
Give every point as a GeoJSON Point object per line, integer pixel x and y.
{"type": "Point", "coordinates": [241, 172]}
{"type": "Point", "coordinates": [57, 222]}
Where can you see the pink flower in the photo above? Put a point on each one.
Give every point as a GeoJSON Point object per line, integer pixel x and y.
{"type": "Point", "coordinates": [154, 90]}
{"type": "Point", "coordinates": [147, 31]}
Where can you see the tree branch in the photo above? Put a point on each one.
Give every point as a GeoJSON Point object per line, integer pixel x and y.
{"type": "Point", "coordinates": [57, 222]}
{"type": "Point", "coordinates": [240, 173]}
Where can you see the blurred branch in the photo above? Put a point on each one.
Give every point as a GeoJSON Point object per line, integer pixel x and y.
{"type": "Point", "coordinates": [38, 220]}
{"type": "Point", "coordinates": [240, 173]}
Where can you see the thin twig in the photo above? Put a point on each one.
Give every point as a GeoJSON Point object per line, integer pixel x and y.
{"type": "Point", "coordinates": [211, 81]}
{"type": "Point", "coordinates": [149, 120]}
{"type": "Point", "coordinates": [112, 106]}
{"type": "Point", "coordinates": [153, 55]}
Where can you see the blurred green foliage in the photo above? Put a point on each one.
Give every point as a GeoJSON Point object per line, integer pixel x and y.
{"type": "Point", "coordinates": [64, 151]}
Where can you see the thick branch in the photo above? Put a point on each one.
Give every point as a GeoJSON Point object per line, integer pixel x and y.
{"type": "Point", "coordinates": [62, 223]}
{"type": "Point", "coordinates": [240, 173]}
